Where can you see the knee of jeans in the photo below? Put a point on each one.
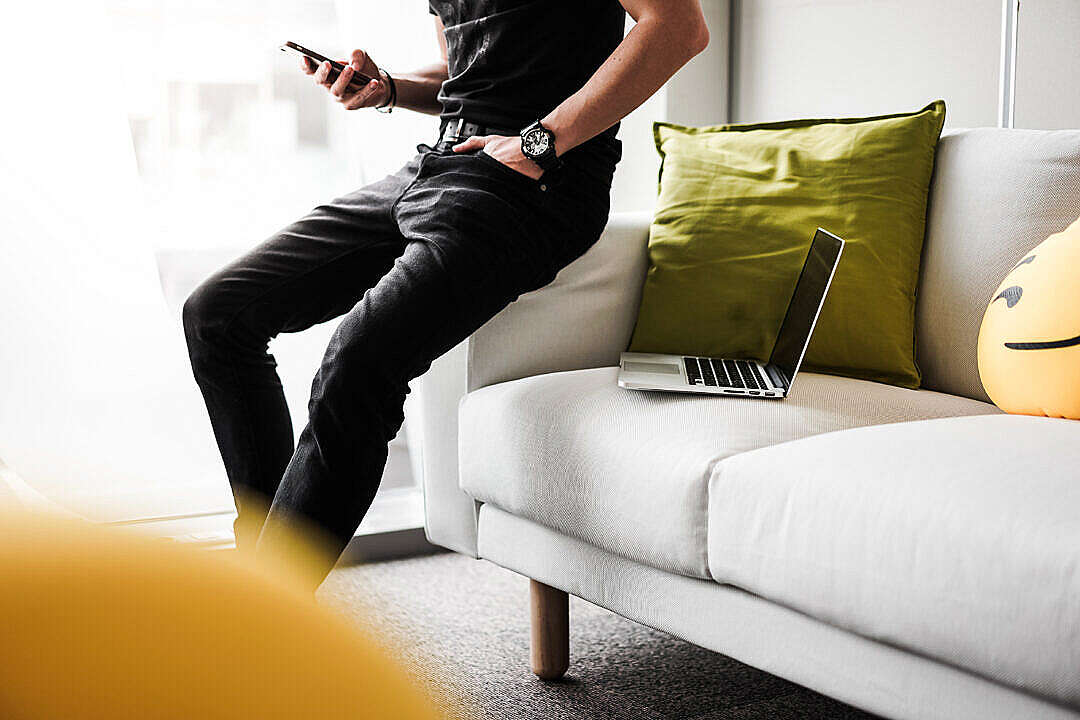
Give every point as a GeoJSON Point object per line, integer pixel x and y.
{"type": "Point", "coordinates": [206, 317]}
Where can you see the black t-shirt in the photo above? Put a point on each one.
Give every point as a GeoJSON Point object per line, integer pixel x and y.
{"type": "Point", "coordinates": [512, 61]}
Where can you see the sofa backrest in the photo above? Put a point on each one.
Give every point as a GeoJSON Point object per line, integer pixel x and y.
{"type": "Point", "coordinates": [995, 195]}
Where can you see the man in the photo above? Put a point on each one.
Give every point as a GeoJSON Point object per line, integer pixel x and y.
{"type": "Point", "coordinates": [419, 260]}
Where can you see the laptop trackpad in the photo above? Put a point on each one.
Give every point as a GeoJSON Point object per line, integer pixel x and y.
{"type": "Point", "coordinates": [650, 367]}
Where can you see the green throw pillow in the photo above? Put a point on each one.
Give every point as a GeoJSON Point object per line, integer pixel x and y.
{"type": "Point", "coordinates": [737, 207]}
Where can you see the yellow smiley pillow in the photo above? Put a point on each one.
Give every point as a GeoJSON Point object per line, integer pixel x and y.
{"type": "Point", "coordinates": [1029, 342]}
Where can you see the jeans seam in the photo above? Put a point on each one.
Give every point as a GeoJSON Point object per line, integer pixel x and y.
{"type": "Point", "coordinates": [394, 205]}
{"type": "Point", "coordinates": [248, 430]}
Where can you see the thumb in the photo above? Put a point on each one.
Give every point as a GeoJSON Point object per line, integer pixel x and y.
{"type": "Point", "coordinates": [359, 57]}
{"type": "Point", "coordinates": [476, 141]}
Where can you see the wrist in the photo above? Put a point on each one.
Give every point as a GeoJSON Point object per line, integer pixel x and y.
{"type": "Point", "coordinates": [389, 100]}
{"type": "Point", "coordinates": [565, 137]}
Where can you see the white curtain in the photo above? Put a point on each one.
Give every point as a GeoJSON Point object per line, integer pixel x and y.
{"type": "Point", "coordinates": [97, 408]}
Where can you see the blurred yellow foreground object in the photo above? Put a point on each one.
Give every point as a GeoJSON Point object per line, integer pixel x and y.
{"type": "Point", "coordinates": [100, 623]}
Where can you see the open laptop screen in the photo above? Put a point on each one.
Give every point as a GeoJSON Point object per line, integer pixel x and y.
{"type": "Point", "coordinates": [806, 302]}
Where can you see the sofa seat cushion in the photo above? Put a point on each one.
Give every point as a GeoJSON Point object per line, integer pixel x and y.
{"type": "Point", "coordinates": [628, 471]}
{"type": "Point", "coordinates": [956, 538]}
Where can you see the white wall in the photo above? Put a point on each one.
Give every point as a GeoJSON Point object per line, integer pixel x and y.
{"type": "Point", "coordinates": [826, 58]}
{"type": "Point", "coordinates": [634, 186]}
{"type": "Point", "coordinates": [1048, 65]}
{"type": "Point", "coordinates": [698, 94]}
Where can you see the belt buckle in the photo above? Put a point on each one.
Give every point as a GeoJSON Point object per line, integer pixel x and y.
{"type": "Point", "coordinates": [453, 131]}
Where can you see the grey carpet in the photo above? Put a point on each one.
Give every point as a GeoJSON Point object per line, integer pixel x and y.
{"type": "Point", "coordinates": [466, 622]}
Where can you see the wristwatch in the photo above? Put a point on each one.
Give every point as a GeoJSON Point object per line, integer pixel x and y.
{"type": "Point", "coordinates": [538, 144]}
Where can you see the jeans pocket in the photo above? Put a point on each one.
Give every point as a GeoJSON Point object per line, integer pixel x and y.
{"type": "Point", "coordinates": [509, 171]}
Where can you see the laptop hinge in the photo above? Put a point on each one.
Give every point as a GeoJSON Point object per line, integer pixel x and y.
{"type": "Point", "coordinates": [777, 377]}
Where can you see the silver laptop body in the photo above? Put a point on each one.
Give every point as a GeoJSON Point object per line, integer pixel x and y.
{"type": "Point", "coordinates": [722, 376]}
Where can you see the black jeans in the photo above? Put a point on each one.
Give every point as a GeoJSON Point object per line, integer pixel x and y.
{"type": "Point", "coordinates": [415, 263]}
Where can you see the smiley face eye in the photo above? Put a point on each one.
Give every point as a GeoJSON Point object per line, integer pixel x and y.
{"type": "Point", "coordinates": [1011, 294]}
{"type": "Point", "coordinates": [1025, 261]}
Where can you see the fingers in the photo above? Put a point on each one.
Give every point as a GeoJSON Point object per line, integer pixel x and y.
{"type": "Point", "coordinates": [350, 97]}
{"type": "Point", "coordinates": [308, 65]}
{"type": "Point", "coordinates": [322, 75]}
{"type": "Point", "coordinates": [362, 98]}
{"type": "Point", "coordinates": [359, 59]}
{"type": "Point", "coordinates": [341, 85]}
{"type": "Point", "coordinates": [472, 143]}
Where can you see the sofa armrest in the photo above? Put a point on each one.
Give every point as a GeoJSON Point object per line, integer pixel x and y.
{"type": "Point", "coordinates": [583, 319]}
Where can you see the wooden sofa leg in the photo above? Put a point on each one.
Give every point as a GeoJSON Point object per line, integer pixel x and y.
{"type": "Point", "coordinates": [550, 618]}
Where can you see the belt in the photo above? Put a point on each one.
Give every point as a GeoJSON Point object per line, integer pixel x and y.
{"type": "Point", "coordinates": [457, 129]}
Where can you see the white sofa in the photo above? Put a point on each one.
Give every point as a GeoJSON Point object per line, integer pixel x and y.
{"type": "Point", "coordinates": [915, 553]}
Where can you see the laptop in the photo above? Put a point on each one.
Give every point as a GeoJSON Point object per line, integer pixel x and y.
{"type": "Point", "coordinates": [748, 378]}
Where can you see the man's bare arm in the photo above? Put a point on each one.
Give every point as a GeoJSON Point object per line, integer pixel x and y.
{"type": "Point", "coordinates": [417, 90]}
{"type": "Point", "coordinates": [667, 34]}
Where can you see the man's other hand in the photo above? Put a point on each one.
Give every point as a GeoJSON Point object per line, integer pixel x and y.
{"type": "Point", "coordinates": [506, 150]}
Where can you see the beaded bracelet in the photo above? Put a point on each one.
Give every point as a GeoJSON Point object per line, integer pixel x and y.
{"type": "Point", "coordinates": [390, 101]}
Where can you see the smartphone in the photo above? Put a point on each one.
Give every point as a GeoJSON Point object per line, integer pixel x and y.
{"type": "Point", "coordinates": [359, 79]}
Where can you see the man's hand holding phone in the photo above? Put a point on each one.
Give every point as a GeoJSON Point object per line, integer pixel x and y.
{"type": "Point", "coordinates": [354, 96]}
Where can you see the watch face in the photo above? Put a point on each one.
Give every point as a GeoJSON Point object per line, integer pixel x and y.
{"type": "Point", "coordinates": [535, 142]}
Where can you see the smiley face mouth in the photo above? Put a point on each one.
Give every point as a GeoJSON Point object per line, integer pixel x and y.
{"type": "Point", "coordinates": [1047, 345]}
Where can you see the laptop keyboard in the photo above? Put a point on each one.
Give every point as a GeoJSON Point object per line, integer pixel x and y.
{"type": "Point", "coordinates": [723, 373]}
